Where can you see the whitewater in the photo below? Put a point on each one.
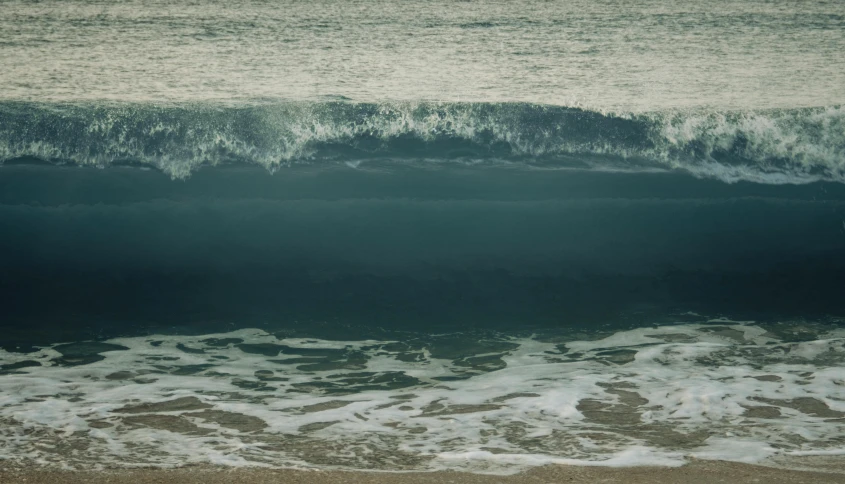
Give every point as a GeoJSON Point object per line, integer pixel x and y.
{"type": "Point", "coordinates": [489, 403]}
{"type": "Point", "coordinates": [418, 236]}
{"type": "Point", "coordinates": [776, 146]}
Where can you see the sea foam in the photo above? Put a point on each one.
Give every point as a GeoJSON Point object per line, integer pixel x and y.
{"type": "Point", "coordinates": [486, 403]}
{"type": "Point", "coordinates": [773, 146]}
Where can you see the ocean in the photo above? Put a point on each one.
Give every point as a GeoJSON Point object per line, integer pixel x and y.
{"type": "Point", "coordinates": [413, 236]}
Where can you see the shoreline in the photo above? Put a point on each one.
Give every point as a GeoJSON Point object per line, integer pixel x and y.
{"type": "Point", "coordinates": [696, 472]}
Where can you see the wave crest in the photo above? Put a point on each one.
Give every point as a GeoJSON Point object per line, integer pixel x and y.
{"type": "Point", "coordinates": [782, 146]}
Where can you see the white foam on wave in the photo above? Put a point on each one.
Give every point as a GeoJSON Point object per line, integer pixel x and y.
{"type": "Point", "coordinates": [776, 147]}
{"type": "Point", "coordinates": [772, 147]}
{"type": "Point", "coordinates": [648, 396]}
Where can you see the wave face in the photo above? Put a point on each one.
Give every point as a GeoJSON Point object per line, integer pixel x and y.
{"type": "Point", "coordinates": [772, 146]}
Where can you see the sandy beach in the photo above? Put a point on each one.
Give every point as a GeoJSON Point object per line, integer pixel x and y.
{"type": "Point", "coordinates": [704, 472]}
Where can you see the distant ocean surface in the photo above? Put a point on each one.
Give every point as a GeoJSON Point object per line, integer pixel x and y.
{"type": "Point", "coordinates": [475, 235]}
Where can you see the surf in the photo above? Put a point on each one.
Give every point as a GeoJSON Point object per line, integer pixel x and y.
{"type": "Point", "coordinates": [785, 146]}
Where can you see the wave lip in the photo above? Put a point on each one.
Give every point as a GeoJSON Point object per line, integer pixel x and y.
{"type": "Point", "coordinates": [776, 146]}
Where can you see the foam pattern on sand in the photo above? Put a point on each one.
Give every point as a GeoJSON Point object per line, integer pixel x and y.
{"type": "Point", "coordinates": [485, 403]}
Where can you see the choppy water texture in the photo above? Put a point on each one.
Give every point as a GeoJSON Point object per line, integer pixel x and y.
{"type": "Point", "coordinates": [421, 235]}
{"type": "Point", "coordinates": [607, 54]}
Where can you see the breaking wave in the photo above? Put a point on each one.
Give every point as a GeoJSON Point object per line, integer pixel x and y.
{"type": "Point", "coordinates": [772, 146]}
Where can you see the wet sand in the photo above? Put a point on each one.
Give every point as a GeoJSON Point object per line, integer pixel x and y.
{"type": "Point", "coordinates": [703, 472]}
